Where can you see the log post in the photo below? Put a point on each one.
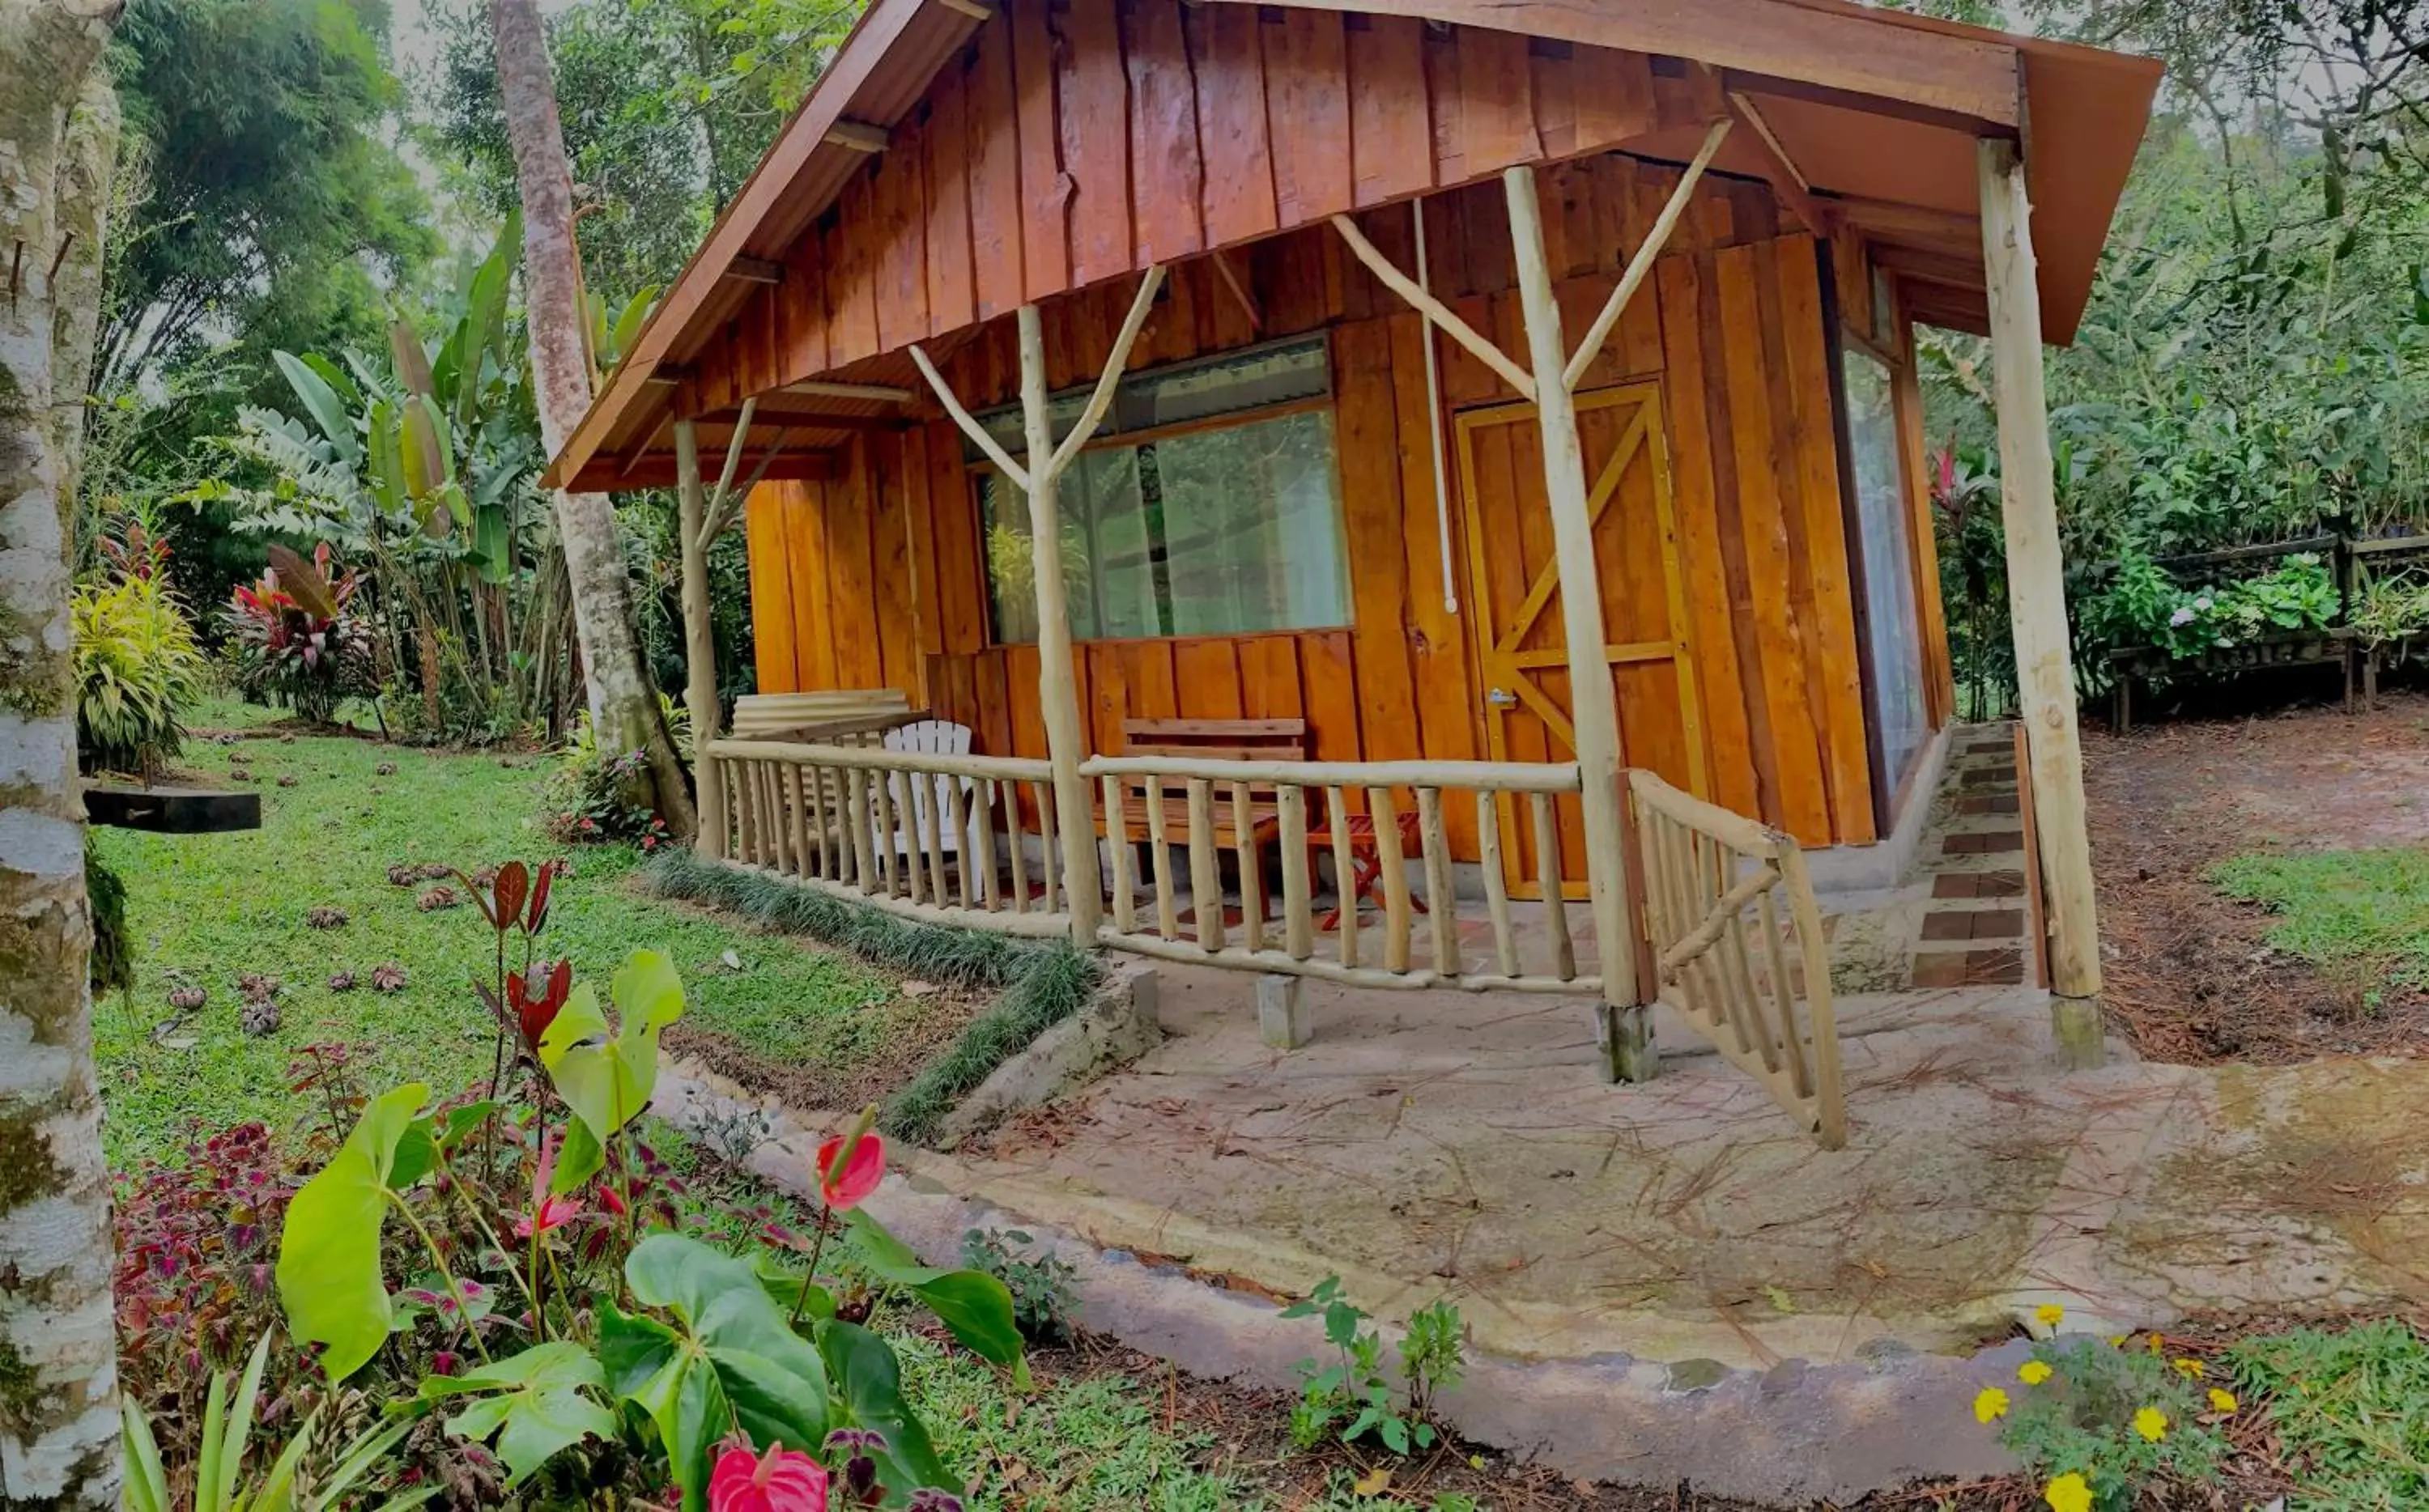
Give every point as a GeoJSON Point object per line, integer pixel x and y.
{"type": "Point", "coordinates": [1058, 696]}
{"type": "Point", "coordinates": [1623, 1024]}
{"type": "Point", "coordinates": [2036, 605]}
{"type": "Point", "coordinates": [699, 639]}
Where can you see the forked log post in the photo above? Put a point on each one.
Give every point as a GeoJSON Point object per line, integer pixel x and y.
{"type": "Point", "coordinates": [699, 640]}
{"type": "Point", "coordinates": [1623, 1024]}
{"type": "Point", "coordinates": [2036, 604]}
{"type": "Point", "coordinates": [1058, 696]}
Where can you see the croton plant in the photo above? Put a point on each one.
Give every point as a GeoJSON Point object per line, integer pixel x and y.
{"type": "Point", "coordinates": [598, 1346]}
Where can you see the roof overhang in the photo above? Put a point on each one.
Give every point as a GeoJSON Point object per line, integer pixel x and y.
{"type": "Point", "coordinates": [1876, 110]}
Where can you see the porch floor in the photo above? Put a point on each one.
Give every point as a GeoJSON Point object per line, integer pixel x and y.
{"type": "Point", "coordinates": [1430, 1143]}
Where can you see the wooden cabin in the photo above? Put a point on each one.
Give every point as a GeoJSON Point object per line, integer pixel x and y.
{"type": "Point", "coordinates": [1411, 344]}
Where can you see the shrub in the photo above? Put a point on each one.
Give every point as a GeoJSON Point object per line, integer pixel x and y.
{"type": "Point", "coordinates": [2097, 1423]}
{"type": "Point", "coordinates": [112, 968]}
{"type": "Point", "coordinates": [138, 669]}
{"type": "Point", "coordinates": [590, 807]}
{"type": "Point", "coordinates": [295, 644]}
{"type": "Point", "coordinates": [1042, 1302]}
{"type": "Point", "coordinates": [1357, 1388]}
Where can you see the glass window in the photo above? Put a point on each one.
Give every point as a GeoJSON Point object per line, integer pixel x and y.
{"type": "Point", "coordinates": [1892, 623]}
{"type": "Point", "coordinates": [1228, 530]}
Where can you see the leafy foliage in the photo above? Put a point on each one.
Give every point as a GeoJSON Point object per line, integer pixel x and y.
{"type": "Point", "coordinates": [693, 1339]}
{"type": "Point", "coordinates": [296, 645]}
{"type": "Point", "coordinates": [1040, 1281]}
{"type": "Point", "coordinates": [1356, 1389]}
{"type": "Point", "coordinates": [2123, 1418]}
{"type": "Point", "coordinates": [139, 670]}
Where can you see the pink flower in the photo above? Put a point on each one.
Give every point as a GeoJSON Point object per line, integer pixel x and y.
{"type": "Point", "coordinates": [610, 1200]}
{"type": "Point", "coordinates": [784, 1480]}
{"type": "Point", "coordinates": [547, 1211]}
{"type": "Point", "coordinates": [849, 1187]}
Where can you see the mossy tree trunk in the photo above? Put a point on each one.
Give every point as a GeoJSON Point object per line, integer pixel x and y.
{"type": "Point", "coordinates": [625, 712]}
{"type": "Point", "coordinates": [58, 1419]}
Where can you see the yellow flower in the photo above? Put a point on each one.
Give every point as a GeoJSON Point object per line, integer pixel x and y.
{"type": "Point", "coordinates": [2049, 1315]}
{"type": "Point", "coordinates": [1991, 1404]}
{"type": "Point", "coordinates": [2118, 1340]}
{"type": "Point", "coordinates": [2158, 1345]}
{"type": "Point", "coordinates": [2221, 1401]}
{"type": "Point", "coordinates": [2033, 1372]}
{"type": "Point", "coordinates": [2069, 1492]}
{"type": "Point", "coordinates": [2151, 1423]}
{"type": "Point", "coordinates": [2191, 1369]}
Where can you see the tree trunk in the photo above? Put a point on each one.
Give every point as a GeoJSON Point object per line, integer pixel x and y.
{"type": "Point", "coordinates": [58, 1411]}
{"type": "Point", "coordinates": [625, 711]}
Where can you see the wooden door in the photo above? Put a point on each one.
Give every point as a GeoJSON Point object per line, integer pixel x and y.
{"type": "Point", "coordinates": [1513, 608]}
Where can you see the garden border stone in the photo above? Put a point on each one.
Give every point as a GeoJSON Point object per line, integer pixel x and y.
{"type": "Point", "coordinates": [1115, 1027]}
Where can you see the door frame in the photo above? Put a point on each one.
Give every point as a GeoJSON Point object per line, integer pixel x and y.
{"type": "Point", "coordinates": [1483, 620]}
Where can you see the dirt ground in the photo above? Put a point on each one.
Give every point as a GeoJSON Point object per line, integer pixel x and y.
{"type": "Point", "coordinates": [2187, 974]}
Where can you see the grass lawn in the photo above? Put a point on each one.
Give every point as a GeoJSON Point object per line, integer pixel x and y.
{"type": "Point", "coordinates": [2360, 912]}
{"type": "Point", "coordinates": [206, 909]}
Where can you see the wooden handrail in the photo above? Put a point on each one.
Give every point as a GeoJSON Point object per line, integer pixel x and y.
{"type": "Point", "coordinates": [1733, 829]}
{"type": "Point", "coordinates": [878, 758]}
{"type": "Point", "coordinates": [1497, 777]}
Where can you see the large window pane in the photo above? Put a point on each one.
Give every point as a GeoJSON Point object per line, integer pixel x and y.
{"type": "Point", "coordinates": [1253, 527]}
{"type": "Point", "coordinates": [1220, 532]}
{"type": "Point", "coordinates": [1893, 624]}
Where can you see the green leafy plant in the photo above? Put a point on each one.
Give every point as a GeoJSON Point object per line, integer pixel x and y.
{"type": "Point", "coordinates": [670, 1357]}
{"type": "Point", "coordinates": [137, 670]}
{"type": "Point", "coordinates": [1356, 1389]}
{"type": "Point", "coordinates": [219, 1484]}
{"type": "Point", "coordinates": [297, 644]}
{"type": "Point", "coordinates": [1043, 1304]}
{"type": "Point", "coordinates": [2099, 1424]}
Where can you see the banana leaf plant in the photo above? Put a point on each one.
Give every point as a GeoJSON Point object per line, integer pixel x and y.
{"type": "Point", "coordinates": [681, 1352]}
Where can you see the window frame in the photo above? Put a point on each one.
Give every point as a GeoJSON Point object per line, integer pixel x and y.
{"type": "Point", "coordinates": [974, 470]}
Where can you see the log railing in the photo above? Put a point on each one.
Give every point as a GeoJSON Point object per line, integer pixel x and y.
{"type": "Point", "coordinates": [926, 834]}
{"type": "Point", "coordinates": [1263, 814]}
{"type": "Point", "coordinates": [1737, 945]}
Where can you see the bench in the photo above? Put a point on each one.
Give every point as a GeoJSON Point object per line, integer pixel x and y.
{"type": "Point", "coordinates": [1220, 739]}
{"type": "Point", "coordinates": [855, 716]}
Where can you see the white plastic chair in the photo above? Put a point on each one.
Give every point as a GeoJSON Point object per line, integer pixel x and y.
{"type": "Point", "coordinates": [932, 793]}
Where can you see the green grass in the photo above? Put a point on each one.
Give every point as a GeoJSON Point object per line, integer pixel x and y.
{"type": "Point", "coordinates": [205, 908]}
{"type": "Point", "coordinates": [2341, 908]}
{"type": "Point", "coordinates": [1041, 982]}
{"type": "Point", "coordinates": [2351, 1409]}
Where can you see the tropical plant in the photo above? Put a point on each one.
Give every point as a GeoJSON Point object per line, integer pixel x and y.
{"type": "Point", "coordinates": [217, 1475]}
{"type": "Point", "coordinates": [297, 645]}
{"type": "Point", "coordinates": [138, 669]}
{"type": "Point", "coordinates": [636, 1355]}
{"type": "Point", "coordinates": [420, 462]}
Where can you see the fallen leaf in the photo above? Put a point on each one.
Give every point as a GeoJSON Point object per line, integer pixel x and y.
{"type": "Point", "coordinates": [733, 962]}
{"type": "Point", "coordinates": [1374, 1482]}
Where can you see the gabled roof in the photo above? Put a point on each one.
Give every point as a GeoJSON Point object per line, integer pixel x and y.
{"type": "Point", "coordinates": [1869, 113]}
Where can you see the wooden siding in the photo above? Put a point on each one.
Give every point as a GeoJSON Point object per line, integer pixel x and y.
{"type": "Point", "coordinates": [1076, 142]}
{"type": "Point", "coordinates": [1752, 458]}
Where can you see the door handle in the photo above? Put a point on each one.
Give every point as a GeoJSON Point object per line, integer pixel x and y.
{"type": "Point", "coordinates": [1500, 699]}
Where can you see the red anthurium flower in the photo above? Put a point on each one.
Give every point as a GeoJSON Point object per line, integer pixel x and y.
{"type": "Point", "coordinates": [535, 995]}
{"type": "Point", "coordinates": [849, 1187]}
{"type": "Point", "coordinates": [784, 1480]}
{"type": "Point", "coordinates": [548, 1211]}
